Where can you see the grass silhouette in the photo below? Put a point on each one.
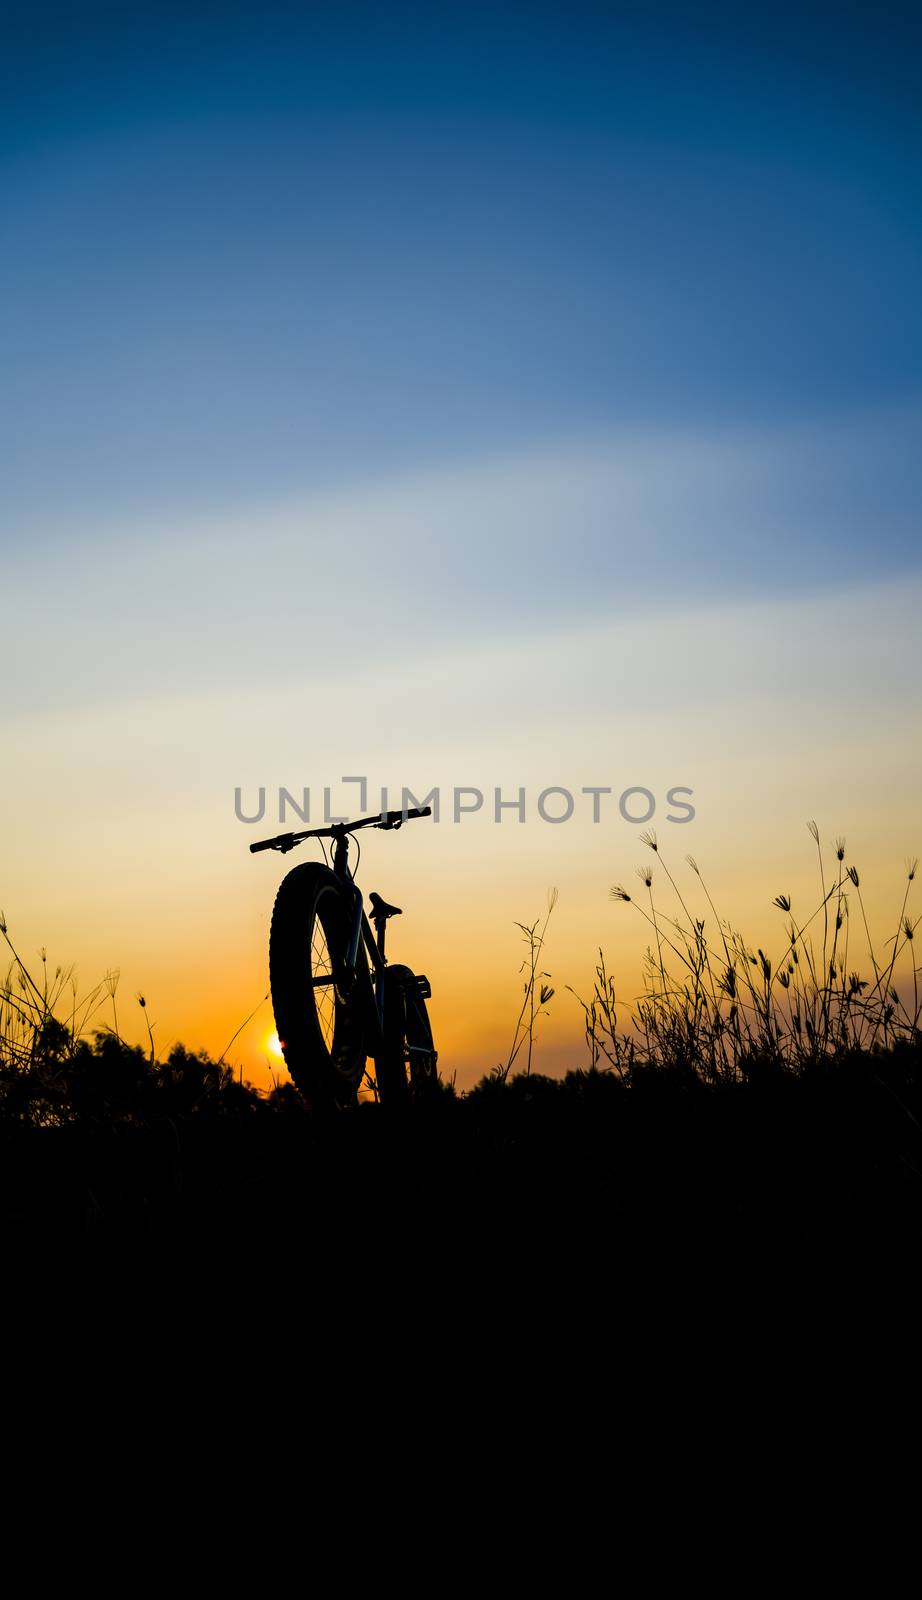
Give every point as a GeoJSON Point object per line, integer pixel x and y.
{"type": "Point", "coordinates": [714, 1006]}
{"type": "Point", "coordinates": [779, 1090]}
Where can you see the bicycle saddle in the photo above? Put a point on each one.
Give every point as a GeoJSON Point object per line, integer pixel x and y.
{"type": "Point", "coordinates": [380, 908]}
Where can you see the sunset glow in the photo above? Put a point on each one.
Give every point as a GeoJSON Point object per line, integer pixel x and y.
{"type": "Point", "coordinates": [470, 400]}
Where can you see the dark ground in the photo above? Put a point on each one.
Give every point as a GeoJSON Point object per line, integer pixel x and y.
{"type": "Point", "coordinates": [829, 1159]}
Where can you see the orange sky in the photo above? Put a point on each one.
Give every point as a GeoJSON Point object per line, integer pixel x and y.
{"type": "Point", "coordinates": [126, 851]}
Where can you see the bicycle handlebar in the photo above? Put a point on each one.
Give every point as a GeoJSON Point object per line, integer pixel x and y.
{"type": "Point", "coordinates": [287, 841]}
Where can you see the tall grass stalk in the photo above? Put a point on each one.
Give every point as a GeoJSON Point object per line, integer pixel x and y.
{"type": "Point", "coordinates": [536, 993]}
{"type": "Point", "coordinates": [713, 1006]}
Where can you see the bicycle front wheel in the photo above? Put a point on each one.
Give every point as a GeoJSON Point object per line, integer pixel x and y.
{"type": "Point", "coordinates": [319, 1004]}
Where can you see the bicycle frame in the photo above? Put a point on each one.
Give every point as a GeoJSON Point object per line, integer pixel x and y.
{"type": "Point", "coordinates": [360, 930]}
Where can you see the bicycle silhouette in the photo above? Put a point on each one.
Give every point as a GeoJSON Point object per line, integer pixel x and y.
{"type": "Point", "coordinates": [331, 1014]}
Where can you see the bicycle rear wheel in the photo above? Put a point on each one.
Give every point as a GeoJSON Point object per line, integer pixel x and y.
{"type": "Point", "coordinates": [319, 1006]}
{"type": "Point", "coordinates": [406, 1069]}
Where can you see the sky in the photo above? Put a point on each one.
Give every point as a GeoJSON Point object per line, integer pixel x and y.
{"type": "Point", "coordinates": [462, 395]}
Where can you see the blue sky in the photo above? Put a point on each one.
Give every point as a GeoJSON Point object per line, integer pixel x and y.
{"type": "Point", "coordinates": [257, 251]}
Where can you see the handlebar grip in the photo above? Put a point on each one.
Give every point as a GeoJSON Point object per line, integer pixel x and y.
{"type": "Point", "coordinates": [393, 819]}
{"type": "Point", "coordinates": [282, 841]}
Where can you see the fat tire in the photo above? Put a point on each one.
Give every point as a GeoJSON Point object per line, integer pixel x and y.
{"type": "Point", "coordinates": [406, 1023]}
{"type": "Point", "coordinates": [328, 1077]}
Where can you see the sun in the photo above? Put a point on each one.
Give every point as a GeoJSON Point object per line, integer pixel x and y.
{"type": "Point", "coordinates": [273, 1046]}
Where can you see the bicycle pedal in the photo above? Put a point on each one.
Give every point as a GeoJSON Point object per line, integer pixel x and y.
{"type": "Point", "coordinates": [424, 986]}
